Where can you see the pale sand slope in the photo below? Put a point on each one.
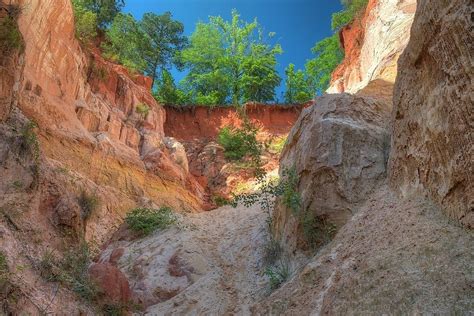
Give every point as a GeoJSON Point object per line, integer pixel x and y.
{"type": "Point", "coordinates": [393, 257]}
{"type": "Point", "coordinates": [210, 264]}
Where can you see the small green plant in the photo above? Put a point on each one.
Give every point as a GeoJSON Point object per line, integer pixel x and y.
{"type": "Point", "coordinates": [48, 267]}
{"type": "Point", "coordinates": [276, 145]}
{"type": "Point", "coordinates": [145, 220]}
{"type": "Point", "coordinates": [352, 8]}
{"type": "Point", "coordinates": [142, 109]}
{"type": "Point", "coordinates": [220, 200]}
{"type": "Point", "coordinates": [114, 309]}
{"type": "Point", "coordinates": [278, 274]}
{"type": "Point", "coordinates": [3, 264]}
{"type": "Point", "coordinates": [71, 270]}
{"type": "Point", "coordinates": [75, 265]}
{"type": "Point", "coordinates": [17, 184]}
{"type": "Point", "coordinates": [29, 141]}
{"type": "Point", "coordinates": [289, 191]}
{"type": "Point", "coordinates": [240, 142]}
{"type": "Point", "coordinates": [317, 230]}
{"type": "Point", "coordinates": [273, 252]}
{"type": "Point", "coordinates": [63, 170]}
{"type": "Point", "coordinates": [5, 282]}
{"type": "Point", "coordinates": [88, 203]}
{"type": "Point", "coordinates": [10, 36]}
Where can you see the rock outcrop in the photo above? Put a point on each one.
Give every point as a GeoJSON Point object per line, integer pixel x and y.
{"type": "Point", "coordinates": [112, 283]}
{"type": "Point", "coordinates": [372, 46]}
{"type": "Point", "coordinates": [338, 149]}
{"type": "Point", "coordinates": [433, 130]}
{"type": "Point", "coordinates": [86, 111]}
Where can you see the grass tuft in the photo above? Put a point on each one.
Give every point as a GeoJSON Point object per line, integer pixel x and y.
{"type": "Point", "coordinates": [146, 221]}
{"type": "Point", "coordinates": [88, 203]}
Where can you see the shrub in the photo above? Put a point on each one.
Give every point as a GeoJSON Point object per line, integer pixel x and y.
{"type": "Point", "coordinates": [88, 203]}
{"type": "Point", "coordinates": [75, 265]}
{"type": "Point", "coordinates": [278, 274]}
{"type": "Point", "coordinates": [277, 144]}
{"type": "Point", "coordinates": [3, 264]}
{"type": "Point", "coordinates": [29, 141]}
{"type": "Point", "coordinates": [145, 221]}
{"type": "Point", "coordinates": [85, 22]}
{"type": "Point", "coordinates": [240, 142]}
{"type": "Point", "coordinates": [114, 309]}
{"type": "Point", "coordinates": [17, 184]}
{"type": "Point", "coordinates": [10, 36]}
{"type": "Point", "coordinates": [290, 195]}
{"type": "Point", "coordinates": [97, 71]}
{"type": "Point", "coordinates": [4, 274]}
{"type": "Point", "coordinates": [220, 200]}
{"type": "Point", "coordinates": [142, 109]}
{"type": "Point", "coordinates": [48, 267]}
{"type": "Point", "coordinates": [346, 16]}
{"type": "Point", "coordinates": [72, 271]}
{"type": "Point", "coordinates": [273, 252]}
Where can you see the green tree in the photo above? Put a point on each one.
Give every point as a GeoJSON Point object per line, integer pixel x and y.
{"type": "Point", "coordinates": [163, 40]}
{"type": "Point", "coordinates": [167, 92]}
{"type": "Point", "coordinates": [125, 41]}
{"type": "Point", "coordinates": [148, 46]}
{"type": "Point", "coordinates": [297, 86]}
{"type": "Point", "coordinates": [231, 61]}
{"type": "Point", "coordinates": [105, 10]}
{"type": "Point", "coordinates": [206, 81]}
{"type": "Point", "coordinates": [85, 22]}
{"type": "Point", "coordinates": [328, 55]}
{"type": "Point", "coordinates": [351, 9]}
{"type": "Point", "coordinates": [259, 76]}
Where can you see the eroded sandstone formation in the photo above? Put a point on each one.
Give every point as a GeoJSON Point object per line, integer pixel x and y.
{"type": "Point", "coordinates": [338, 149]}
{"type": "Point", "coordinates": [198, 122]}
{"type": "Point", "coordinates": [433, 118]}
{"type": "Point", "coordinates": [85, 108]}
{"type": "Point", "coordinates": [372, 46]}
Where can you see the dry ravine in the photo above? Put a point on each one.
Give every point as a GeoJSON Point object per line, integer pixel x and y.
{"type": "Point", "coordinates": [372, 192]}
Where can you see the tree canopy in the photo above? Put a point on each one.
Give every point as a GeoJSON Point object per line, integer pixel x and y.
{"type": "Point", "coordinates": [230, 62]}
{"type": "Point", "coordinates": [297, 86]}
{"type": "Point", "coordinates": [328, 55]}
{"type": "Point", "coordinates": [105, 10]}
{"type": "Point", "coordinates": [163, 39]}
{"type": "Point", "coordinates": [351, 9]}
{"type": "Point", "coordinates": [147, 46]}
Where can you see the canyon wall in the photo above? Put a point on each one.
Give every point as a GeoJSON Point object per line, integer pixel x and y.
{"type": "Point", "coordinates": [70, 135]}
{"type": "Point", "coordinates": [339, 147]}
{"type": "Point", "coordinates": [195, 122]}
{"type": "Point", "coordinates": [433, 118]}
{"type": "Point", "coordinates": [338, 150]}
{"type": "Point", "coordinates": [398, 241]}
{"type": "Point", "coordinates": [372, 45]}
{"type": "Point", "coordinates": [85, 110]}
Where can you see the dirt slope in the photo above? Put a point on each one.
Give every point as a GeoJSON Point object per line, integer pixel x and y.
{"type": "Point", "coordinates": [397, 256]}
{"type": "Point", "coordinates": [210, 265]}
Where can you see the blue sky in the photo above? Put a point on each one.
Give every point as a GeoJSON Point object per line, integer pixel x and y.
{"type": "Point", "coordinates": [298, 24]}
